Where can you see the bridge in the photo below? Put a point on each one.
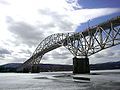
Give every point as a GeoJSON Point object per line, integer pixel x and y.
{"type": "Point", "coordinates": [80, 44]}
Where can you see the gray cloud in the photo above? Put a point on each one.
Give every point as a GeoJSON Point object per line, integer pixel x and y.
{"type": "Point", "coordinates": [58, 20]}
{"type": "Point", "coordinates": [61, 53]}
{"type": "Point", "coordinates": [2, 56]}
{"type": "Point", "coordinates": [111, 52]}
{"type": "Point", "coordinates": [4, 2]}
{"type": "Point", "coordinates": [18, 60]}
{"type": "Point", "coordinates": [108, 55]}
{"type": "Point", "coordinates": [26, 33]}
{"type": "Point", "coordinates": [9, 19]}
{"type": "Point", "coordinates": [57, 55]}
{"type": "Point", "coordinates": [27, 51]}
{"type": "Point", "coordinates": [4, 52]}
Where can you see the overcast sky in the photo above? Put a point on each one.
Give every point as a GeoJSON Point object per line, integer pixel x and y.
{"type": "Point", "coordinates": [25, 23]}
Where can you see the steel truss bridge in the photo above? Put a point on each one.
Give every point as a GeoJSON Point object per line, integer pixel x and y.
{"type": "Point", "coordinates": [80, 44]}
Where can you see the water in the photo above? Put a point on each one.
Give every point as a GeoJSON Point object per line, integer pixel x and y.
{"type": "Point", "coordinates": [99, 80]}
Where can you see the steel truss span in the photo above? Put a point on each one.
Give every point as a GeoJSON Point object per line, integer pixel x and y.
{"type": "Point", "coordinates": [82, 44]}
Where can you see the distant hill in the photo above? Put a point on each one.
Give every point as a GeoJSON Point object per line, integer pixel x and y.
{"type": "Point", "coordinates": [11, 67]}
{"type": "Point", "coordinates": [104, 66]}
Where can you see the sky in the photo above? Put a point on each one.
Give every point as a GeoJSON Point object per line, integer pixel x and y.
{"type": "Point", "coordinates": [25, 23]}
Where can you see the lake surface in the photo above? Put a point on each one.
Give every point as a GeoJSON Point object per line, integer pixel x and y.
{"type": "Point", "coordinates": [99, 80]}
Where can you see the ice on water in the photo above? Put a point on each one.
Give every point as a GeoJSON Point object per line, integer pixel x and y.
{"type": "Point", "coordinates": [99, 80]}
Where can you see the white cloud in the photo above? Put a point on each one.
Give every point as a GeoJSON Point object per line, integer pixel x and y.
{"type": "Point", "coordinates": [24, 23]}
{"type": "Point", "coordinates": [83, 15]}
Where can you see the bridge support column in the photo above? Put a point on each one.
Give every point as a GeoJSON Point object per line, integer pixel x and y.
{"type": "Point", "coordinates": [81, 65]}
{"type": "Point", "coordinates": [25, 70]}
{"type": "Point", "coordinates": [35, 69]}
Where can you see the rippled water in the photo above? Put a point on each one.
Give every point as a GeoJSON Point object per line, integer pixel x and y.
{"type": "Point", "coordinates": [99, 80]}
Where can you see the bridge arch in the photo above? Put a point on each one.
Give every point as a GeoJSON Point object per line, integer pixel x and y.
{"type": "Point", "coordinates": [82, 44]}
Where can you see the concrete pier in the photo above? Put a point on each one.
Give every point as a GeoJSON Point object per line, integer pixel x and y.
{"type": "Point", "coordinates": [35, 69]}
{"type": "Point", "coordinates": [25, 70]}
{"type": "Point", "coordinates": [81, 65]}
